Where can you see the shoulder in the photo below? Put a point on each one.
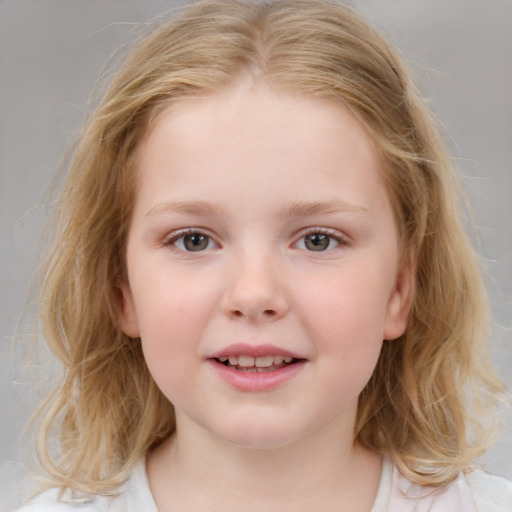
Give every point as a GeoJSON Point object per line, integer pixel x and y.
{"type": "Point", "coordinates": [50, 501]}
{"type": "Point", "coordinates": [476, 491]}
{"type": "Point", "coordinates": [134, 496]}
{"type": "Point", "coordinates": [490, 493]}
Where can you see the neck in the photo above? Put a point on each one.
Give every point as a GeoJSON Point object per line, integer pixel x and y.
{"type": "Point", "coordinates": [324, 471]}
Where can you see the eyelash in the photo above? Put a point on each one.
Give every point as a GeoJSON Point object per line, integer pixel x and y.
{"type": "Point", "coordinates": [332, 234]}
{"type": "Point", "coordinates": [171, 240]}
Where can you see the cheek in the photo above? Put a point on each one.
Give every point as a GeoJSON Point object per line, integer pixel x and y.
{"type": "Point", "coordinates": [172, 304]}
{"type": "Point", "coordinates": [345, 319]}
{"type": "Point", "coordinates": [347, 305]}
{"type": "Point", "coordinates": [167, 338]}
{"type": "Point", "coordinates": [348, 348]}
{"type": "Point", "coordinates": [172, 315]}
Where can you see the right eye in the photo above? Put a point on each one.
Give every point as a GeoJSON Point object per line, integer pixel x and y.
{"type": "Point", "coordinates": [192, 241]}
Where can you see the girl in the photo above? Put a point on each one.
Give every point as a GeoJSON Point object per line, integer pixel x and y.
{"type": "Point", "coordinates": [260, 288]}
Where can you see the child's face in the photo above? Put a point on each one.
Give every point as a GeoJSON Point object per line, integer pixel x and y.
{"type": "Point", "coordinates": [262, 229]}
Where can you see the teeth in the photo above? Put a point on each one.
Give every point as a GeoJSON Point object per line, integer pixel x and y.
{"type": "Point", "coordinates": [264, 362]}
{"type": "Point", "coordinates": [258, 362]}
{"type": "Point", "coordinates": [244, 361]}
{"type": "Point", "coordinates": [282, 359]}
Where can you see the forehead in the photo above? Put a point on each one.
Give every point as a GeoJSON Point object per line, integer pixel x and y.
{"type": "Point", "coordinates": [250, 138]}
{"type": "Point", "coordinates": [248, 113]}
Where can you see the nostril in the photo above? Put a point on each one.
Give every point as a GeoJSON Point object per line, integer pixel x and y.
{"type": "Point", "coordinates": [269, 313]}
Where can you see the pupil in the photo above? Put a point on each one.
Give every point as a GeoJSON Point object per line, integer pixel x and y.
{"type": "Point", "coordinates": [195, 242]}
{"type": "Point", "coordinates": [317, 242]}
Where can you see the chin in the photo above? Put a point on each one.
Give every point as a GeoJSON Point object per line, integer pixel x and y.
{"type": "Point", "coordinates": [260, 437]}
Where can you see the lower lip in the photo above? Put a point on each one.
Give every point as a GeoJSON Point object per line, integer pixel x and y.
{"type": "Point", "coordinates": [257, 381]}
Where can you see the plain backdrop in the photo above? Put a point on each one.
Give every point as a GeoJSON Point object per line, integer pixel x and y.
{"type": "Point", "coordinates": [51, 52]}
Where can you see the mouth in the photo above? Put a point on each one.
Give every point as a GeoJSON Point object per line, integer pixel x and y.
{"type": "Point", "coordinates": [259, 364]}
{"type": "Point", "coordinates": [257, 368]}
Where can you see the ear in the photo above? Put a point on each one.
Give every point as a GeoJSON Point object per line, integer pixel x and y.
{"type": "Point", "coordinates": [127, 313]}
{"type": "Point", "coordinates": [401, 299]}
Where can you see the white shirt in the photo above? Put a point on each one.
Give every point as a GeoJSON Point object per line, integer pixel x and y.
{"type": "Point", "coordinates": [474, 492]}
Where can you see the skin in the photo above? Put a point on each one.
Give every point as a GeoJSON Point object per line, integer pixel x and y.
{"type": "Point", "coordinates": [255, 171]}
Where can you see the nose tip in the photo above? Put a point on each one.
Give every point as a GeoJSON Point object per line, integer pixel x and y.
{"type": "Point", "coordinates": [256, 294]}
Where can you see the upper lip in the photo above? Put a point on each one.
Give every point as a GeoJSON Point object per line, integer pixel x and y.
{"type": "Point", "coordinates": [243, 349]}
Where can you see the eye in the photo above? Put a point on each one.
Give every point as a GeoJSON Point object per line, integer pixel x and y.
{"type": "Point", "coordinates": [192, 241]}
{"type": "Point", "coordinates": [318, 241]}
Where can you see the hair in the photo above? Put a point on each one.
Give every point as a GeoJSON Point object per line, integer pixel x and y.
{"type": "Point", "coordinates": [423, 404]}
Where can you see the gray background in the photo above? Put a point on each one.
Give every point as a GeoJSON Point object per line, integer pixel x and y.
{"type": "Point", "coordinates": [51, 52]}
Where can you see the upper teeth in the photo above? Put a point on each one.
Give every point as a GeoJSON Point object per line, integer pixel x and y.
{"type": "Point", "coordinates": [260, 362]}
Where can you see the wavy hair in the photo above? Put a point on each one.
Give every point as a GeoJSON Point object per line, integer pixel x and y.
{"type": "Point", "coordinates": [423, 403]}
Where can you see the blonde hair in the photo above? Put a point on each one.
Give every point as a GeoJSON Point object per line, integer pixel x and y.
{"type": "Point", "coordinates": [423, 403]}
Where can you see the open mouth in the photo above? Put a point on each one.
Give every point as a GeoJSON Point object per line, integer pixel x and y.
{"type": "Point", "coordinates": [256, 368]}
{"type": "Point", "coordinates": [260, 364]}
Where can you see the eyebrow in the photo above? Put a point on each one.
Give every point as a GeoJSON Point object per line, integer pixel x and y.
{"type": "Point", "coordinates": [199, 208]}
{"type": "Point", "coordinates": [305, 209]}
{"type": "Point", "coordinates": [295, 209]}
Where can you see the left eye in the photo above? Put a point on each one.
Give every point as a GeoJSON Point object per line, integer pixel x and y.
{"type": "Point", "coordinates": [317, 241]}
{"type": "Point", "coordinates": [193, 242]}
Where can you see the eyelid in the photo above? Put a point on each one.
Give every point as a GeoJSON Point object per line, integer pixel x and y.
{"type": "Point", "coordinates": [175, 235]}
{"type": "Point", "coordinates": [342, 239]}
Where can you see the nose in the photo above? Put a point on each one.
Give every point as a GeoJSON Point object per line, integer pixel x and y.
{"type": "Point", "coordinates": [255, 291]}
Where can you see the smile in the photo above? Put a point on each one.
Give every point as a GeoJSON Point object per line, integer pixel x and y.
{"type": "Point", "coordinates": [260, 364]}
{"type": "Point", "coordinates": [257, 368]}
